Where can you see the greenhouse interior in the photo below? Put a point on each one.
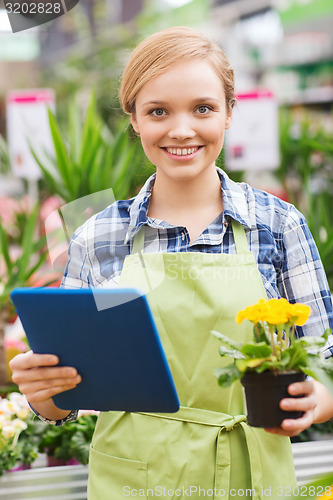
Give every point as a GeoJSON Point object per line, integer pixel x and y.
{"type": "Point", "coordinates": [68, 151]}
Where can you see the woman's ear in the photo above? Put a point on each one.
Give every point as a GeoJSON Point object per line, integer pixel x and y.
{"type": "Point", "coordinates": [134, 123]}
{"type": "Point", "coordinates": [228, 120]}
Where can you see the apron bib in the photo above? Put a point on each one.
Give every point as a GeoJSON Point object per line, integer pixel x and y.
{"type": "Point", "coordinates": [207, 446]}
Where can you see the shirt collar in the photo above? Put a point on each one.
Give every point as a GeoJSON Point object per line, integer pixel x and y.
{"type": "Point", "coordinates": [139, 208]}
{"type": "Point", "coordinates": [235, 204]}
{"type": "Point", "coordinates": [235, 200]}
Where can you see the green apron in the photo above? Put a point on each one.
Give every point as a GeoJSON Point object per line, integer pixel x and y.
{"type": "Point", "coordinates": [206, 448]}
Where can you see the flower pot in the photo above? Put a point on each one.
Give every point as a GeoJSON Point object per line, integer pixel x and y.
{"type": "Point", "coordinates": [263, 393]}
{"type": "Point", "coordinates": [55, 462]}
{"type": "Point", "coordinates": [20, 467]}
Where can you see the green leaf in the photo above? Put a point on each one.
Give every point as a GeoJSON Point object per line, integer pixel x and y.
{"type": "Point", "coordinates": [75, 131]}
{"type": "Point", "coordinates": [4, 248]}
{"type": "Point", "coordinates": [56, 184]}
{"type": "Point", "coordinates": [259, 334]}
{"type": "Point", "coordinates": [226, 340]}
{"type": "Point", "coordinates": [63, 161]}
{"type": "Point", "coordinates": [27, 244]}
{"type": "Point", "coordinates": [89, 125]}
{"type": "Point", "coordinates": [320, 372]}
{"type": "Point", "coordinates": [227, 375]}
{"type": "Point", "coordinates": [260, 350]}
{"type": "Point", "coordinates": [232, 353]}
{"type": "Point", "coordinates": [311, 342]}
{"type": "Point", "coordinates": [249, 364]}
{"type": "Point", "coordinates": [327, 333]}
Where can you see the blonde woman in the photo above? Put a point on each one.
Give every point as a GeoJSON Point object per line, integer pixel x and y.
{"type": "Point", "coordinates": [224, 245]}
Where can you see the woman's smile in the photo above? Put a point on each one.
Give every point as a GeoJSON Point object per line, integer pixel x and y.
{"type": "Point", "coordinates": [179, 153]}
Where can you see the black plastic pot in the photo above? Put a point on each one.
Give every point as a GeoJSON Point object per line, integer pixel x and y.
{"type": "Point", "coordinates": [263, 393]}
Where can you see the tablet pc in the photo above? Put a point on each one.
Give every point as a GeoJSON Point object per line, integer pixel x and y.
{"type": "Point", "coordinates": [115, 348]}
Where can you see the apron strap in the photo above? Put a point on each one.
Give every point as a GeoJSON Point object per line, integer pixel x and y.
{"type": "Point", "coordinates": [237, 229]}
{"type": "Point", "coordinates": [139, 241]}
{"type": "Point", "coordinates": [239, 237]}
{"type": "Point", "coordinates": [223, 463]}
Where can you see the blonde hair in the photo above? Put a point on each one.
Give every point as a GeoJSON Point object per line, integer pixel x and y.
{"type": "Point", "coordinates": [157, 53]}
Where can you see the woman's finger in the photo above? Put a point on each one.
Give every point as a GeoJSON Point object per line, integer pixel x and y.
{"type": "Point", "coordinates": [36, 374]}
{"type": "Point", "coordinates": [44, 394]}
{"type": "Point", "coordinates": [39, 385]}
{"type": "Point", "coordinates": [29, 360]}
{"type": "Point", "coordinates": [300, 388]}
{"type": "Point", "coordinates": [298, 404]}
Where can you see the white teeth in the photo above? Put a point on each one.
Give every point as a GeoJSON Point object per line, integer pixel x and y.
{"type": "Point", "coordinates": [182, 152]}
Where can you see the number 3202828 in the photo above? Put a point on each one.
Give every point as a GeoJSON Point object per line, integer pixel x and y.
{"type": "Point", "coordinates": [33, 8]}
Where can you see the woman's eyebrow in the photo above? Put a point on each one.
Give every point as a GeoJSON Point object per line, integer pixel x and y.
{"type": "Point", "coordinates": [164, 103]}
{"type": "Point", "coordinates": [154, 103]}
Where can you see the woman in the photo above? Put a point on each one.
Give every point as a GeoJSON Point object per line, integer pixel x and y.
{"type": "Point", "coordinates": [221, 246]}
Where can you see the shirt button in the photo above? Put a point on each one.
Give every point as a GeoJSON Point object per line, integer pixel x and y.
{"type": "Point", "coordinates": [183, 236]}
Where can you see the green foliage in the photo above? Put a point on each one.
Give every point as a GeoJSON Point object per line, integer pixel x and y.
{"type": "Point", "coordinates": [23, 447]}
{"type": "Point", "coordinates": [320, 221]}
{"type": "Point", "coordinates": [275, 354]}
{"type": "Point", "coordinates": [71, 440]}
{"type": "Point", "coordinates": [89, 158]}
{"type": "Point", "coordinates": [4, 156]}
{"type": "Point", "coordinates": [8, 458]}
{"type": "Point", "coordinates": [306, 173]}
{"type": "Point", "coordinates": [18, 270]}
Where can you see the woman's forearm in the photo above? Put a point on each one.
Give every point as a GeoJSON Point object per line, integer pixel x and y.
{"type": "Point", "coordinates": [49, 410]}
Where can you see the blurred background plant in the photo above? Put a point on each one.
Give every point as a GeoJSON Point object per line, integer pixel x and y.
{"type": "Point", "coordinates": [306, 174]}
{"type": "Point", "coordinates": [4, 156]}
{"type": "Point", "coordinates": [19, 267]}
{"type": "Point", "coordinates": [23, 436]}
{"type": "Point", "coordinates": [70, 441]}
{"type": "Point", "coordinates": [20, 433]}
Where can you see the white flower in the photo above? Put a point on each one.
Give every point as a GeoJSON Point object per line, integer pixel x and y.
{"type": "Point", "coordinates": [13, 427]}
{"type": "Point", "coordinates": [6, 408]}
{"type": "Point", "coordinates": [23, 414]}
{"type": "Point", "coordinates": [8, 431]}
{"type": "Point", "coordinates": [18, 399]}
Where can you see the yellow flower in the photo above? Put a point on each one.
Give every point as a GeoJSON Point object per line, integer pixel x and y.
{"type": "Point", "coordinates": [299, 313]}
{"type": "Point", "coordinates": [275, 312]}
{"type": "Point", "coordinates": [253, 313]}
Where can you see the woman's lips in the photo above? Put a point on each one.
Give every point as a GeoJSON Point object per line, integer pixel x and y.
{"type": "Point", "coordinates": [177, 154]}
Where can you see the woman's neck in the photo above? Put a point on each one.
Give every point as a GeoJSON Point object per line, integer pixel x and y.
{"type": "Point", "coordinates": [171, 196]}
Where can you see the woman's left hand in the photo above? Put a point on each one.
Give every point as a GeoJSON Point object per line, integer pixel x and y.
{"type": "Point", "coordinates": [308, 404]}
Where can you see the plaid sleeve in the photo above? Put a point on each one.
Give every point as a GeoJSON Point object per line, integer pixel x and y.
{"type": "Point", "coordinates": [76, 274]}
{"type": "Point", "coordinates": [302, 277]}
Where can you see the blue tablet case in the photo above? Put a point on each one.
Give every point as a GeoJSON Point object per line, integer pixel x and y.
{"type": "Point", "coordinates": [116, 350]}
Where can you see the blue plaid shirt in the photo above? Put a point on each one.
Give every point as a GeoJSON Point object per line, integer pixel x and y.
{"type": "Point", "coordinates": [277, 233]}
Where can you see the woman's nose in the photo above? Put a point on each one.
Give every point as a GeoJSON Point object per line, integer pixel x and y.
{"type": "Point", "coordinates": [181, 128]}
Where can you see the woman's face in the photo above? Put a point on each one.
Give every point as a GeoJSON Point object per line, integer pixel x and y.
{"type": "Point", "coordinates": [181, 117]}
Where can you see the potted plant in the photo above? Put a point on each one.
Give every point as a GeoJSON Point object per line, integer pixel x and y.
{"type": "Point", "coordinates": [20, 433]}
{"type": "Point", "coordinates": [274, 359]}
{"type": "Point", "coordinates": [68, 444]}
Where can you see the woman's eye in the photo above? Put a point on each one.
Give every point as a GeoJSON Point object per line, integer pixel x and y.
{"type": "Point", "coordinates": [203, 110]}
{"type": "Point", "coordinates": [157, 112]}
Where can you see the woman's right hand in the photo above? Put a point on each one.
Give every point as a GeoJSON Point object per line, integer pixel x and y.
{"type": "Point", "coordinates": [39, 378]}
